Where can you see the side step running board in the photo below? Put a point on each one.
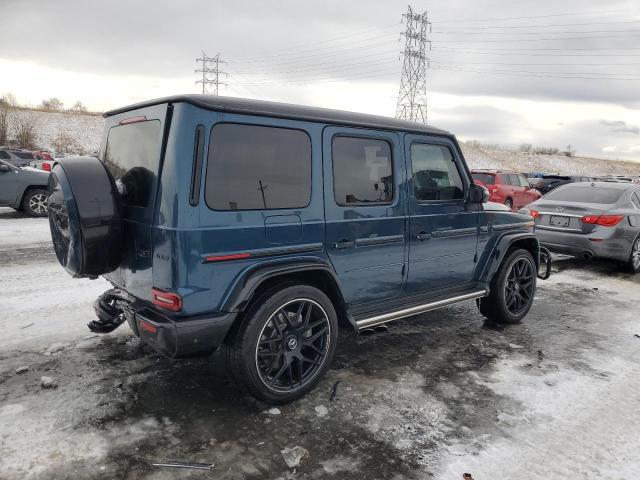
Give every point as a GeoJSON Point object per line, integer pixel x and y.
{"type": "Point", "coordinates": [407, 312]}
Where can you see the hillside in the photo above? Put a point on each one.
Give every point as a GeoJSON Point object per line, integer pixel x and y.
{"type": "Point", "coordinates": [86, 130]}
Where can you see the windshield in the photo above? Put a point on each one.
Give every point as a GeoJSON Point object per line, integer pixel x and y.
{"type": "Point", "coordinates": [132, 156]}
{"type": "Point", "coordinates": [585, 193]}
{"type": "Point", "coordinates": [485, 178]}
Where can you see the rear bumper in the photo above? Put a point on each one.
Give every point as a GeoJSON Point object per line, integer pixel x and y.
{"type": "Point", "coordinates": [179, 337]}
{"type": "Point", "coordinates": [174, 336]}
{"type": "Point", "coordinates": [578, 245]}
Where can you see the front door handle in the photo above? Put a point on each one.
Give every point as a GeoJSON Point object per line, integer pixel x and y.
{"type": "Point", "coordinates": [344, 244]}
{"type": "Point", "coordinates": [422, 236]}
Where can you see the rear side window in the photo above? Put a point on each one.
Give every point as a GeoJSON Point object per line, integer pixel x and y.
{"type": "Point", "coordinates": [485, 178]}
{"type": "Point", "coordinates": [132, 155]}
{"type": "Point", "coordinates": [24, 155]}
{"type": "Point", "coordinates": [435, 176]}
{"type": "Point", "coordinates": [635, 199]}
{"type": "Point", "coordinates": [513, 180]}
{"type": "Point", "coordinates": [585, 194]}
{"type": "Point", "coordinates": [362, 171]}
{"type": "Point", "coordinates": [4, 155]}
{"type": "Point", "coordinates": [251, 167]}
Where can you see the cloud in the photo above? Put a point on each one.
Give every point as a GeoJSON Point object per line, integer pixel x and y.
{"type": "Point", "coordinates": [620, 126]}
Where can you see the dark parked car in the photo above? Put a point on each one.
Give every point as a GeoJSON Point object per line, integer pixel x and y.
{"type": "Point", "coordinates": [261, 227]}
{"type": "Point", "coordinates": [17, 158]}
{"type": "Point", "coordinates": [592, 220]}
{"type": "Point", "coordinates": [550, 182]}
{"type": "Point", "coordinates": [23, 188]}
{"type": "Point", "coordinates": [509, 188]}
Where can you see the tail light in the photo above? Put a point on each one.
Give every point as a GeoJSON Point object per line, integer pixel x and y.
{"type": "Point", "coordinates": [534, 213]}
{"type": "Point", "coordinates": [46, 166]}
{"type": "Point", "coordinates": [494, 190]}
{"type": "Point", "coordinates": [603, 220]}
{"type": "Point", "coordinates": [166, 300]}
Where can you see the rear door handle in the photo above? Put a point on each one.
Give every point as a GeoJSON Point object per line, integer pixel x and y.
{"type": "Point", "coordinates": [422, 236]}
{"type": "Point", "coordinates": [344, 244]}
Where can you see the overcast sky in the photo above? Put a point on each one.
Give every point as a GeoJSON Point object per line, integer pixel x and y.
{"type": "Point", "coordinates": [508, 72]}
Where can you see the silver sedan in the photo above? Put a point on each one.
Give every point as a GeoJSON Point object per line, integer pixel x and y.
{"type": "Point", "coordinates": [598, 219]}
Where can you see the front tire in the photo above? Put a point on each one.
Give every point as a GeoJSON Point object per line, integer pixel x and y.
{"type": "Point", "coordinates": [509, 203]}
{"type": "Point", "coordinates": [34, 202]}
{"type": "Point", "coordinates": [284, 343]}
{"type": "Point", "coordinates": [512, 289]}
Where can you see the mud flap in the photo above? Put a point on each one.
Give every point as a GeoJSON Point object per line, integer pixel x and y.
{"type": "Point", "coordinates": [544, 271]}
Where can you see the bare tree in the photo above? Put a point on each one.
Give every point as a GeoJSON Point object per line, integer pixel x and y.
{"type": "Point", "coordinates": [9, 99]}
{"type": "Point", "coordinates": [5, 113]}
{"type": "Point", "coordinates": [65, 142]}
{"type": "Point", "coordinates": [78, 107]}
{"type": "Point", "coordinates": [24, 125]}
{"type": "Point", "coordinates": [53, 104]}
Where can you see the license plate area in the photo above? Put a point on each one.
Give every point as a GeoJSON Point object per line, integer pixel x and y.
{"type": "Point", "coordinates": [557, 221]}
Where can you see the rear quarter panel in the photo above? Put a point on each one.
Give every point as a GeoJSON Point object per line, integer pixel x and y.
{"type": "Point", "coordinates": [184, 234]}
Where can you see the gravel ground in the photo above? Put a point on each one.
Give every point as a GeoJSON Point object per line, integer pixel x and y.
{"type": "Point", "coordinates": [434, 396]}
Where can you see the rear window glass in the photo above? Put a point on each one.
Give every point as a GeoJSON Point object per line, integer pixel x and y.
{"type": "Point", "coordinates": [251, 167]}
{"type": "Point", "coordinates": [485, 178]}
{"type": "Point", "coordinates": [4, 155]}
{"type": "Point", "coordinates": [132, 156]}
{"type": "Point", "coordinates": [585, 194]}
{"type": "Point", "coordinates": [362, 171]}
{"type": "Point", "coordinates": [24, 155]}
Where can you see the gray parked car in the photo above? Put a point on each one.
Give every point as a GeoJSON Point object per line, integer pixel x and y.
{"type": "Point", "coordinates": [18, 158]}
{"type": "Point", "coordinates": [598, 219]}
{"type": "Point", "coordinates": [24, 188]}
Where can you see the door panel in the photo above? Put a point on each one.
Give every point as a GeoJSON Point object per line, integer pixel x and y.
{"type": "Point", "coordinates": [8, 186]}
{"type": "Point", "coordinates": [365, 211]}
{"type": "Point", "coordinates": [443, 233]}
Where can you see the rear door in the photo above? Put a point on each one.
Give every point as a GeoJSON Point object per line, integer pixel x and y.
{"type": "Point", "coordinates": [443, 233]}
{"type": "Point", "coordinates": [365, 211]}
{"type": "Point", "coordinates": [132, 150]}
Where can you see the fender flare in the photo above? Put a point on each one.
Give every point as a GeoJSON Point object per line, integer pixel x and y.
{"type": "Point", "coordinates": [500, 249]}
{"type": "Point", "coordinates": [249, 280]}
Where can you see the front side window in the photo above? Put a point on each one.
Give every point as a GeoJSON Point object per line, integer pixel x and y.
{"type": "Point", "coordinates": [435, 176]}
{"type": "Point", "coordinates": [132, 156]}
{"type": "Point", "coordinates": [362, 171]}
{"type": "Point", "coordinates": [523, 181]}
{"type": "Point", "coordinates": [252, 167]}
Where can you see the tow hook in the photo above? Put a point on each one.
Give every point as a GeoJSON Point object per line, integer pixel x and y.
{"type": "Point", "coordinates": [545, 262]}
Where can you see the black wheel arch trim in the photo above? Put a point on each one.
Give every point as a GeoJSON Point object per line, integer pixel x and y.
{"type": "Point", "coordinates": [250, 280]}
{"type": "Point", "coordinates": [501, 247]}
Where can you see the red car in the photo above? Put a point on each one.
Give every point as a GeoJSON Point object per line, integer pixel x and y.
{"type": "Point", "coordinates": [509, 188]}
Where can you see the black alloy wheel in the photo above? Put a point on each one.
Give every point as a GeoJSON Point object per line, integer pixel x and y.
{"type": "Point", "coordinates": [293, 345]}
{"type": "Point", "coordinates": [520, 286]}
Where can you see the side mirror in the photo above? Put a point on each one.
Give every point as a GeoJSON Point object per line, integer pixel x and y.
{"type": "Point", "coordinates": [478, 194]}
{"type": "Point", "coordinates": [4, 168]}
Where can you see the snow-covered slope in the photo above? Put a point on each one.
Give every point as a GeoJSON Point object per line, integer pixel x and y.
{"type": "Point", "coordinates": [87, 131]}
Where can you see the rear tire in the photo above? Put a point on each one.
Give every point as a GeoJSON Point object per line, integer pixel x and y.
{"type": "Point", "coordinates": [512, 289]}
{"type": "Point", "coordinates": [633, 265]}
{"type": "Point", "coordinates": [509, 203]}
{"type": "Point", "coordinates": [34, 202]}
{"type": "Point", "coordinates": [284, 343]}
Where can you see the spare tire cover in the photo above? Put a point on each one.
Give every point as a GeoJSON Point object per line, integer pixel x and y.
{"type": "Point", "coordinates": [84, 217]}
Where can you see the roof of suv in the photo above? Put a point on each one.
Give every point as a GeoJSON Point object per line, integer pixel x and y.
{"type": "Point", "coordinates": [287, 110]}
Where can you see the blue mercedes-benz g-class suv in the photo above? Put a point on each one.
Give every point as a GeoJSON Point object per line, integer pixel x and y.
{"type": "Point", "coordinates": [261, 227]}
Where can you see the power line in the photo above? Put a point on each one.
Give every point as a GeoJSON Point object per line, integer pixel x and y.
{"type": "Point", "coordinates": [529, 17]}
{"type": "Point", "coordinates": [211, 73]}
